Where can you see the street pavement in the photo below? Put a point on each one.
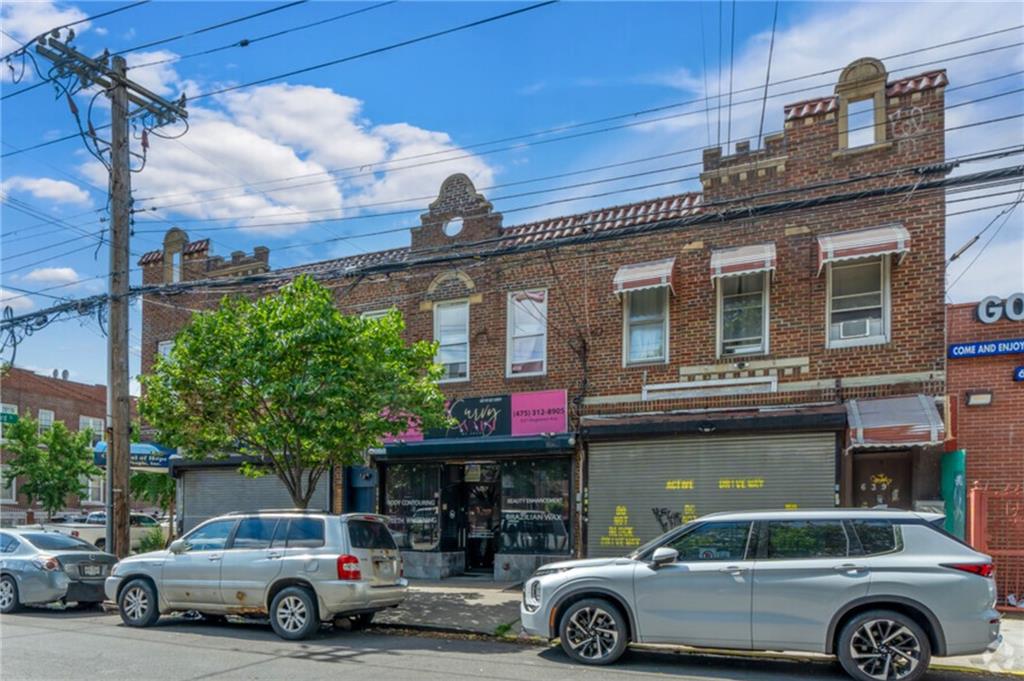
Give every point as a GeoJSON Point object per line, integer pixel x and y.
{"type": "Point", "coordinates": [52, 644]}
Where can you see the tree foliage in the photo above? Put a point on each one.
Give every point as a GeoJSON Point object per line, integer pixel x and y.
{"type": "Point", "coordinates": [154, 488]}
{"type": "Point", "coordinates": [291, 382]}
{"type": "Point", "coordinates": [52, 465]}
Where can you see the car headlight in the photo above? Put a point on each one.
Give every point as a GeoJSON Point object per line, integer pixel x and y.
{"type": "Point", "coordinates": [531, 594]}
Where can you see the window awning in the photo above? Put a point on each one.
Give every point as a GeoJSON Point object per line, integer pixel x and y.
{"type": "Point", "coordinates": [863, 243]}
{"type": "Point", "coordinates": [644, 275]}
{"type": "Point", "coordinates": [910, 421]}
{"type": "Point", "coordinates": [732, 262]}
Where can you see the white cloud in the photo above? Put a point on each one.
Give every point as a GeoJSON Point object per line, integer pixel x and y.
{"type": "Point", "coordinates": [16, 301]}
{"type": "Point", "coordinates": [26, 20]}
{"type": "Point", "coordinates": [47, 189]}
{"type": "Point", "coordinates": [52, 275]}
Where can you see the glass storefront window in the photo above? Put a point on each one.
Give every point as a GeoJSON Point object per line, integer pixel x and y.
{"type": "Point", "coordinates": [535, 506]}
{"type": "Point", "coordinates": [411, 497]}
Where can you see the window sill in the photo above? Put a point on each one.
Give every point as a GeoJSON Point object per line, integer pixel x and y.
{"type": "Point", "coordinates": [645, 365]}
{"type": "Point", "coordinates": [857, 343]}
{"type": "Point", "coordinates": [535, 374]}
{"type": "Point", "coordinates": [865, 149]}
{"type": "Point", "coordinates": [444, 381]}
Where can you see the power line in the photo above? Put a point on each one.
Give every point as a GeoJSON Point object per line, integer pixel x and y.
{"type": "Point", "coordinates": [93, 17]}
{"type": "Point", "coordinates": [732, 59]}
{"type": "Point", "coordinates": [704, 60]}
{"type": "Point", "coordinates": [767, 75]}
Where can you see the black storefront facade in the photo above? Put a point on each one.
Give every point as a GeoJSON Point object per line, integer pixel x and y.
{"type": "Point", "coordinates": [493, 494]}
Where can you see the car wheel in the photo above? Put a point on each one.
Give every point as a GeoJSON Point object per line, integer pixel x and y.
{"type": "Point", "coordinates": [362, 620]}
{"type": "Point", "coordinates": [883, 645]}
{"type": "Point", "coordinates": [593, 631]}
{"type": "Point", "coordinates": [137, 604]}
{"type": "Point", "coordinates": [293, 613]}
{"type": "Point", "coordinates": [9, 595]}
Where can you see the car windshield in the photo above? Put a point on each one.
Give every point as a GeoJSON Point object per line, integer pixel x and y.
{"type": "Point", "coordinates": [660, 539]}
{"type": "Point", "coordinates": [53, 541]}
{"type": "Point", "coordinates": [370, 534]}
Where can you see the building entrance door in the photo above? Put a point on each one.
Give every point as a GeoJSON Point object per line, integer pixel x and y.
{"type": "Point", "coordinates": [882, 479]}
{"type": "Point", "coordinates": [481, 491]}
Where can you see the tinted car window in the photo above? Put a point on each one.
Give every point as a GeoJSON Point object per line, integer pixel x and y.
{"type": "Point", "coordinates": [877, 536]}
{"type": "Point", "coordinates": [254, 533]}
{"type": "Point", "coordinates": [8, 544]}
{"type": "Point", "coordinates": [143, 521]}
{"type": "Point", "coordinates": [370, 534]}
{"type": "Point", "coordinates": [807, 539]}
{"type": "Point", "coordinates": [210, 537]}
{"type": "Point", "coordinates": [713, 541]}
{"type": "Point", "coordinates": [305, 533]}
{"type": "Point", "coordinates": [53, 541]}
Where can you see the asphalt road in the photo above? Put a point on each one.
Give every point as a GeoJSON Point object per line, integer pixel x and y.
{"type": "Point", "coordinates": [50, 645]}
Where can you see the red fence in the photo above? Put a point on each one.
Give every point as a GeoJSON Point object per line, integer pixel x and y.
{"type": "Point", "coordinates": [995, 525]}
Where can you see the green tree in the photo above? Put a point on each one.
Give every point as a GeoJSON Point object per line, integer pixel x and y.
{"type": "Point", "coordinates": [51, 465]}
{"type": "Point", "coordinates": [154, 488]}
{"type": "Point", "coordinates": [291, 382]}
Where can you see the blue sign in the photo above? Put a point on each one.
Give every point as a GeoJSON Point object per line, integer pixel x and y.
{"type": "Point", "coordinates": [1018, 374]}
{"type": "Point", "coordinates": [143, 455]}
{"type": "Point", "coordinates": [1008, 346]}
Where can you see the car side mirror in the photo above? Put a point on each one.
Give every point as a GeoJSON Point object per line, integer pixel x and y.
{"type": "Point", "coordinates": [178, 546]}
{"type": "Point", "coordinates": [663, 555]}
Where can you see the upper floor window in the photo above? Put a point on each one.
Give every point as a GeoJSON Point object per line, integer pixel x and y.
{"type": "Point", "coordinates": [163, 348]}
{"type": "Point", "coordinates": [45, 420]}
{"type": "Point", "coordinates": [743, 314]}
{"type": "Point", "coordinates": [375, 314]}
{"type": "Point", "coordinates": [527, 333]}
{"type": "Point", "coordinates": [646, 325]}
{"type": "Point", "coordinates": [96, 425]}
{"type": "Point", "coordinates": [10, 410]}
{"type": "Point", "coordinates": [860, 123]}
{"type": "Point", "coordinates": [8, 495]}
{"type": "Point", "coordinates": [95, 490]}
{"type": "Point", "coordinates": [858, 297]}
{"type": "Point", "coordinates": [451, 331]}
{"type": "Point", "coordinates": [176, 267]}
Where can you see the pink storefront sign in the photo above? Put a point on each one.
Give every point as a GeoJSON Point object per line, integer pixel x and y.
{"type": "Point", "coordinates": [543, 411]}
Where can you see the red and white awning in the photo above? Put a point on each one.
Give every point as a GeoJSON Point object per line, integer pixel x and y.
{"type": "Point", "coordinates": [644, 275]}
{"type": "Point", "coordinates": [909, 421]}
{"type": "Point", "coordinates": [732, 262]}
{"type": "Point", "coordinates": [863, 243]}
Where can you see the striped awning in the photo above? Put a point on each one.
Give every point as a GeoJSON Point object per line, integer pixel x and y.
{"type": "Point", "coordinates": [863, 243]}
{"type": "Point", "coordinates": [644, 275]}
{"type": "Point", "coordinates": [908, 421]}
{"type": "Point", "coordinates": [732, 262]}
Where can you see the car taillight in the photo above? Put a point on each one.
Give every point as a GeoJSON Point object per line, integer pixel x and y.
{"type": "Point", "coordinates": [48, 563]}
{"type": "Point", "coordinates": [348, 568]}
{"type": "Point", "coordinates": [980, 569]}
{"type": "Point", "coordinates": [74, 533]}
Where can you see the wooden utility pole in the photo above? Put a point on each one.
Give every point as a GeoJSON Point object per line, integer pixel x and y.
{"type": "Point", "coordinates": [156, 111]}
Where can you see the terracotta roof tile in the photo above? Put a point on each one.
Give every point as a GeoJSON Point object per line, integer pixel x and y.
{"type": "Point", "coordinates": [811, 107]}
{"type": "Point", "coordinates": [151, 257]}
{"type": "Point", "coordinates": [192, 247]}
{"type": "Point", "coordinates": [923, 81]}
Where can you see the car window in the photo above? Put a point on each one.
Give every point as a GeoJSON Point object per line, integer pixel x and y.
{"type": "Point", "coordinates": [254, 533]}
{"type": "Point", "coordinates": [877, 536]}
{"type": "Point", "coordinates": [54, 541]}
{"type": "Point", "coordinates": [713, 541]}
{"type": "Point", "coordinates": [370, 534]}
{"type": "Point", "coordinates": [143, 521]}
{"type": "Point", "coordinates": [8, 544]}
{"type": "Point", "coordinates": [305, 533]}
{"type": "Point", "coordinates": [210, 537]}
{"type": "Point", "coordinates": [807, 539]}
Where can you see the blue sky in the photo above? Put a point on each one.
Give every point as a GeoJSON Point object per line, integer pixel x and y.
{"type": "Point", "coordinates": [558, 65]}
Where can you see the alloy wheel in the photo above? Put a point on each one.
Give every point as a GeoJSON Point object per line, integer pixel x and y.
{"type": "Point", "coordinates": [592, 633]}
{"type": "Point", "coordinates": [885, 650]}
{"type": "Point", "coordinates": [135, 603]}
{"type": "Point", "coordinates": [6, 593]}
{"type": "Point", "coordinates": [292, 614]}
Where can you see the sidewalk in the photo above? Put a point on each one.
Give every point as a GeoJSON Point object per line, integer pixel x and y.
{"type": "Point", "coordinates": [470, 605]}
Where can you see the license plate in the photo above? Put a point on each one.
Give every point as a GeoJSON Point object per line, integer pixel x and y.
{"type": "Point", "coordinates": [91, 570]}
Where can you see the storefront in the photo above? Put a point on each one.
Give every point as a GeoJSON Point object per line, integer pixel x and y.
{"type": "Point", "coordinates": [492, 494]}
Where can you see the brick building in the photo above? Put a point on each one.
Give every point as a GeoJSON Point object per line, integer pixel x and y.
{"type": "Point", "coordinates": [616, 372]}
{"type": "Point", "coordinates": [26, 394]}
{"type": "Point", "coordinates": [986, 398]}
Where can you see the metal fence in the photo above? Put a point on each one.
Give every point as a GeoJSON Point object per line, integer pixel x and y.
{"type": "Point", "coordinates": [995, 525]}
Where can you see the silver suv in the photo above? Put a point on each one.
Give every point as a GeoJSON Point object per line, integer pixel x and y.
{"type": "Point", "coordinates": [299, 568]}
{"type": "Point", "coordinates": [881, 590]}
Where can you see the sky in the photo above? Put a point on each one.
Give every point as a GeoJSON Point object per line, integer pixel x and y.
{"type": "Point", "coordinates": [313, 165]}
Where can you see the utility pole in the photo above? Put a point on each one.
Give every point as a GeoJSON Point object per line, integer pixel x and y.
{"type": "Point", "coordinates": [122, 92]}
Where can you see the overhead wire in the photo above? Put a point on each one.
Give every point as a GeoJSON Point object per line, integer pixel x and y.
{"type": "Point", "coordinates": [767, 75]}
{"type": "Point", "coordinates": [732, 60]}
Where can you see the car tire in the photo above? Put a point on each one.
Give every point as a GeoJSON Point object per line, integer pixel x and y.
{"type": "Point", "coordinates": [293, 613]}
{"type": "Point", "coordinates": [362, 620]}
{"type": "Point", "coordinates": [593, 631]}
{"type": "Point", "coordinates": [883, 642]}
{"type": "Point", "coordinates": [137, 604]}
{"type": "Point", "coordinates": [9, 599]}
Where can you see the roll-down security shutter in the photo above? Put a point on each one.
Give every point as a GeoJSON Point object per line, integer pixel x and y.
{"type": "Point", "coordinates": [639, 489]}
{"type": "Point", "coordinates": [210, 492]}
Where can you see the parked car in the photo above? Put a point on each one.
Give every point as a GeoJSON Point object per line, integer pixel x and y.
{"type": "Point", "coordinates": [39, 567]}
{"type": "Point", "coordinates": [881, 590]}
{"type": "Point", "coordinates": [299, 568]}
{"type": "Point", "coordinates": [94, 528]}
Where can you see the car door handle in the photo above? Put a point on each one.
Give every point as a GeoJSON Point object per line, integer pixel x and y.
{"type": "Point", "coordinates": [849, 567]}
{"type": "Point", "coordinates": [214, 556]}
{"type": "Point", "coordinates": [733, 569]}
{"type": "Point", "coordinates": [274, 554]}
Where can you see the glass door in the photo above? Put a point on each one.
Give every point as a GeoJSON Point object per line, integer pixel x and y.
{"type": "Point", "coordinates": [481, 490]}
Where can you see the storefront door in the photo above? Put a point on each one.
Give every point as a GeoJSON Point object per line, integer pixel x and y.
{"type": "Point", "coordinates": [480, 491]}
{"type": "Point", "coordinates": [882, 479]}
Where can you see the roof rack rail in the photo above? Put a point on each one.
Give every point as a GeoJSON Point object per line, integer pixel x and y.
{"type": "Point", "coordinates": [277, 510]}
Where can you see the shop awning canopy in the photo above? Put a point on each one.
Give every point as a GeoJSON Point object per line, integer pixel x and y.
{"type": "Point", "coordinates": [909, 421]}
{"type": "Point", "coordinates": [644, 275]}
{"type": "Point", "coordinates": [732, 262]}
{"type": "Point", "coordinates": [475, 447]}
{"type": "Point", "coordinates": [863, 243]}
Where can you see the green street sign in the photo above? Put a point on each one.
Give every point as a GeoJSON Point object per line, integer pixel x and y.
{"type": "Point", "coordinates": [8, 418]}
